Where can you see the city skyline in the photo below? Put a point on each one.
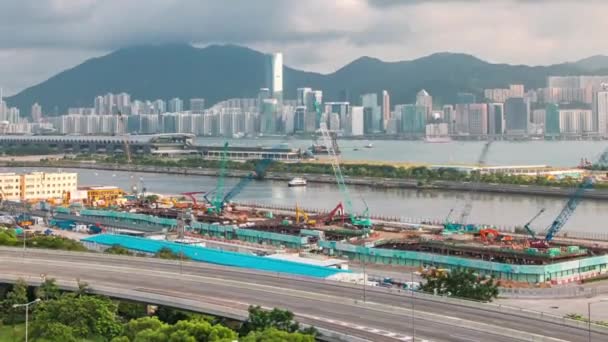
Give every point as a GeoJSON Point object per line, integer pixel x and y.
{"type": "Point", "coordinates": [55, 35]}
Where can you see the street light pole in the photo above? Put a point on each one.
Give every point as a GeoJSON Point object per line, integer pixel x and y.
{"type": "Point", "coordinates": [27, 309]}
{"type": "Point", "coordinates": [589, 320]}
{"type": "Point", "coordinates": [413, 308]}
{"type": "Point", "coordinates": [364, 281]}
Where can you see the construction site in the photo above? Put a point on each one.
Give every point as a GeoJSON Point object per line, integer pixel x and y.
{"type": "Point", "coordinates": [529, 257]}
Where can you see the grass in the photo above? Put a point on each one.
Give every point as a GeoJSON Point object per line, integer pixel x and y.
{"type": "Point", "coordinates": [12, 333]}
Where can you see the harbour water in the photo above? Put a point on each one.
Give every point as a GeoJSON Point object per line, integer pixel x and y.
{"type": "Point", "coordinates": [553, 153]}
{"type": "Point", "coordinates": [498, 209]}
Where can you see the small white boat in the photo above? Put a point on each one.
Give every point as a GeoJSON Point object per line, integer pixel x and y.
{"type": "Point", "coordinates": [297, 182]}
{"type": "Point", "coordinates": [369, 145]}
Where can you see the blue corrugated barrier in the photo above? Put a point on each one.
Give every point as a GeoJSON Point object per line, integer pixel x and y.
{"type": "Point", "coordinates": [214, 256]}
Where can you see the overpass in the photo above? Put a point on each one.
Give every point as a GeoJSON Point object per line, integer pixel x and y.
{"type": "Point", "coordinates": [375, 314]}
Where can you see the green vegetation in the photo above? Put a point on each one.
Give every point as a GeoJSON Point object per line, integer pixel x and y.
{"type": "Point", "coordinates": [118, 250]}
{"type": "Point", "coordinates": [8, 237]}
{"type": "Point", "coordinates": [425, 176]}
{"type": "Point", "coordinates": [167, 253]}
{"type": "Point", "coordinates": [462, 284]}
{"type": "Point", "coordinates": [579, 317]}
{"type": "Point", "coordinates": [27, 150]}
{"type": "Point", "coordinates": [71, 317]}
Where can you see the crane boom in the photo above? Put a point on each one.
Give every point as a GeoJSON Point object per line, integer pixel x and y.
{"type": "Point", "coordinates": [527, 225]}
{"type": "Point", "coordinates": [259, 170]}
{"type": "Point", "coordinates": [568, 210]}
{"type": "Point", "coordinates": [335, 164]}
{"type": "Point", "coordinates": [218, 199]}
{"type": "Point", "coordinates": [468, 206]}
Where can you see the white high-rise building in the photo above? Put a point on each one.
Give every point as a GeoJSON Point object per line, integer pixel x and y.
{"type": "Point", "coordinates": [176, 105]}
{"type": "Point", "coordinates": [99, 105]}
{"type": "Point", "coordinates": [425, 100]}
{"type": "Point", "coordinates": [36, 112]}
{"type": "Point", "coordinates": [108, 103]}
{"type": "Point", "coordinates": [197, 105]}
{"type": "Point", "coordinates": [123, 103]}
{"type": "Point", "coordinates": [277, 76]}
{"type": "Point", "coordinates": [356, 115]}
{"type": "Point", "coordinates": [602, 112]}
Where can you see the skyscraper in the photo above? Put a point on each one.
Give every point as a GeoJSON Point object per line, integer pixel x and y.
{"type": "Point", "coordinates": [372, 114]}
{"type": "Point", "coordinates": [425, 100]}
{"type": "Point", "coordinates": [496, 118]}
{"type": "Point", "coordinates": [552, 120]}
{"type": "Point", "coordinates": [602, 111]}
{"type": "Point", "coordinates": [517, 116]}
{"type": "Point", "coordinates": [197, 105]}
{"type": "Point", "coordinates": [99, 105]}
{"type": "Point", "coordinates": [413, 119]}
{"type": "Point", "coordinates": [301, 96]}
{"type": "Point", "coordinates": [478, 119]}
{"type": "Point", "coordinates": [176, 105]}
{"type": "Point", "coordinates": [36, 112]}
{"type": "Point", "coordinates": [386, 108]}
{"type": "Point", "coordinates": [356, 121]}
{"type": "Point", "coordinates": [277, 76]}
{"type": "Point", "coordinates": [123, 103]}
{"type": "Point", "coordinates": [268, 116]}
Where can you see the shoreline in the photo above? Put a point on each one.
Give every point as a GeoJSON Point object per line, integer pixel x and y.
{"type": "Point", "coordinates": [384, 183]}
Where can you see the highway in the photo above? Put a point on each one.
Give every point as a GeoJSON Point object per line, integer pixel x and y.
{"type": "Point", "coordinates": [385, 316]}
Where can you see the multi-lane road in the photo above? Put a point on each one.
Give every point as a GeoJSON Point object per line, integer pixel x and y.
{"type": "Point", "coordinates": [339, 307]}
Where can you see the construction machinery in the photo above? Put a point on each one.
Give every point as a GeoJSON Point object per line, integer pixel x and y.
{"type": "Point", "coordinates": [123, 128]}
{"type": "Point", "coordinates": [220, 197]}
{"type": "Point", "coordinates": [563, 216]}
{"type": "Point", "coordinates": [469, 202]}
{"type": "Point", "coordinates": [362, 221]}
{"type": "Point", "coordinates": [301, 215]}
{"type": "Point", "coordinates": [529, 230]}
{"type": "Point", "coordinates": [192, 196]}
{"type": "Point", "coordinates": [217, 203]}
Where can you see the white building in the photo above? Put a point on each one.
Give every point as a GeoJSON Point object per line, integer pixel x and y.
{"type": "Point", "coordinates": [277, 76]}
{"type": "Point", "coordinates": [36, 112]}
{"type": "Point", "coordinates": [575, 121]}
{"type": "Point", "coordinates": [356, 115]}
{"type": "Point", "coordinates": [602, 112]}
{"type": "Point", "coordinates": [176, 105]}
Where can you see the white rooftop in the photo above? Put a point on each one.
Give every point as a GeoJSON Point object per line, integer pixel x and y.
{"type": "Point", "coordinates": [327, 262]}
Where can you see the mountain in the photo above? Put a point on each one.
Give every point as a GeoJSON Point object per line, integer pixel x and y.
{"type": "Point", "coordinates": [598, 62]}
{"type": "Point", "coordinates": [220, 72]}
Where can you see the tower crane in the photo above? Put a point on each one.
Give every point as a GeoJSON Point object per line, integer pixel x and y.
{"type": "Point", "coordinates": [363, 221]}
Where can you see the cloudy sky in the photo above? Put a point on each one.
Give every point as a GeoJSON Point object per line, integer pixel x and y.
{"type": "Point", "coordinates": [42, 37]}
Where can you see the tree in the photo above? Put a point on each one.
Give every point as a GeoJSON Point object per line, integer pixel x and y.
{"type": "Point", "coordinates": [48, 289]}
{"type": "Point", "coordinates": [83, 287]}
{"type": "Point", "coordinates": [17, 295]}
{"type": "Point", "coordinates": [128, 310]}
{"type": "Point", "coordinates": [135, 326]}
{"type": "Point", "coordinates": [461, 283]}
{"type": "Point", "coordinates": [272, 335]}
{"type": "Point", "coordinates": [86, 315]}
{"type": "Point", "coordinates": [260, 319]}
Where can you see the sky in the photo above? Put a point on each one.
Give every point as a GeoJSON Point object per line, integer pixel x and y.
{"type": "Point", "coordinates": [39, 38]}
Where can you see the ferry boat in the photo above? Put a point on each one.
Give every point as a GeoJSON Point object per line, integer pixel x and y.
{"type": "Point", "coordinates": [297, 182]}
{"type": "Point", "coordinates": [437, 139]}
